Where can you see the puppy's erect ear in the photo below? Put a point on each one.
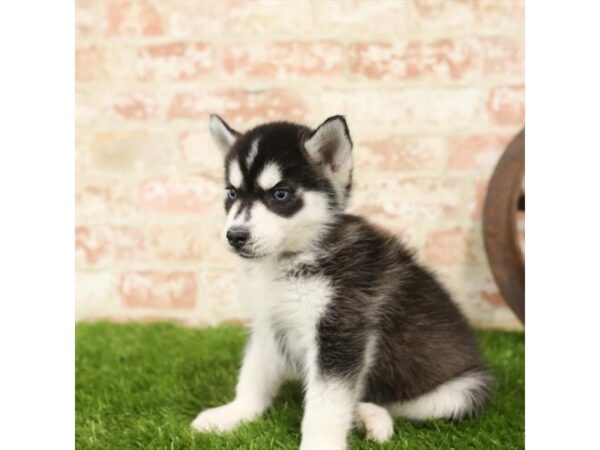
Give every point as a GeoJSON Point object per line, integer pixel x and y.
{"type": "Point", "coordinates": [223, 135]}
{"type": "Point", "coordinates": [330, 145]}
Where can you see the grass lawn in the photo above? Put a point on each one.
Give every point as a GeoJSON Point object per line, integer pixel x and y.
{"type": "Point", "coordinates": [139, 387]}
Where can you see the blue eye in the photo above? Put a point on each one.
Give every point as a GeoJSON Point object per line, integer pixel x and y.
{"type": "Point", "coordinates": [281, 195]}
{"type": "Point", "coordinates": [231, 193]}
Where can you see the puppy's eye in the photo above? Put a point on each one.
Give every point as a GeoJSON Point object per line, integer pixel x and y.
{"type": "Point", "coordinates": [281, 195]}
{"type": "Point", "coordinates": [231, 193]}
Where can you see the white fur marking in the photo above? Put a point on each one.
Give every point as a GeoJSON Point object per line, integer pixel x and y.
{"type": "Point", "coordinates": [370, 355]}
{"type": "Point", "coordinates": [296, 306]}
{"type": "Point", "coordinates": [328, 415]}
{"type": "Point", "coordinates": [269, 177]}
{"type": "Point", "coordinates": [232, 216]}
{"type": "Point", "coordinates": [235, 174]}
{"type": "Point", "coordinates": [252, 153]}
{"type": "Point", "coordinates": [271, 233]}
{"type": "Point", "coordinates": [293, 305]}
{"type": "Point", "coordinates": [448, 400]}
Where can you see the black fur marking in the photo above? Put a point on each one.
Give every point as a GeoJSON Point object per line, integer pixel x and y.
{"type": "Point", "coordinates": [245, 208]}
{"type": "Point", "coordinates": [422, 339]}
{"type": "Point", "coordinates": [280, 143]}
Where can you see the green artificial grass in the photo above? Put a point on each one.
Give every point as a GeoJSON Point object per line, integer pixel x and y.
{"type": "Point", "coordinates": [139, 387]}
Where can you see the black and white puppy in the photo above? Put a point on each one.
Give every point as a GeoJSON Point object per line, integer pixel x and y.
{"type": "Point", "coordinates": [335, 301]}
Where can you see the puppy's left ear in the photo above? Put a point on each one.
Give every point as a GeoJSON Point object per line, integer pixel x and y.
{"type": "Point", "coordinates": [223, 135]}
{"type": "Point", "coordinates": [330, 145]}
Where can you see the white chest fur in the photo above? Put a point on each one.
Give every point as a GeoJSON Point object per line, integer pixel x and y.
{"type": "Point", "coordinates": [290, 307]}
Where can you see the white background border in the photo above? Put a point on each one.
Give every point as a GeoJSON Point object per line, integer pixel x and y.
{"type": "Point", "coordinates": [37, 225]}
{"type": "Point", "coordinates": [563, 224]}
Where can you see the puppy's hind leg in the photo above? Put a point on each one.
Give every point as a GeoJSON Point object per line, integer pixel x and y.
{"type": "Point", "coordinates": [376, 421]}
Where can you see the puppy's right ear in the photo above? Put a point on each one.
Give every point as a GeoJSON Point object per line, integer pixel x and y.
{"type": "Point", "coordinates": [223, 135]}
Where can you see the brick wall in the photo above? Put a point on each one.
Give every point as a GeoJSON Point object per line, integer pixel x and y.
{"type": "Point", "coordinates": [432, 91]}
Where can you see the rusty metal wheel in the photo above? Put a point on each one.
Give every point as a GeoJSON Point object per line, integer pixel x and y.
{"type": "Point", "coordinates": [503, 200]}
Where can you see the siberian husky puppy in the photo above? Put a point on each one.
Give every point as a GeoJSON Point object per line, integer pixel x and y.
{"type": "Point", "coordinates": [335, 301]}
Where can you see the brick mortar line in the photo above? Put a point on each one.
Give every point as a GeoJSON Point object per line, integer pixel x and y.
{"type": "Point", "coordinates": [137, 44]}
{"type": "Point", "coordinates": [369, 132]}
{"type": "Point", "coordinates": [442, 174]}
{"type": "Point", "coordinates": [173, 127]}
{"type": "Point", "coordinates": [393, 129]}
{"type": "Point", "coordinates": [88, 169]}
{"type": "Point", "coordinates": [153, 266]}
{"type": "Point", "coordinates": [464, 221]}
{"type": "Point", "coordinates": [253, 38]}
{"type": "Point", "coordinates": [449, 174]}
{"type": "Point", "coordinates": [149, 221]}
{"type": "Point", "coordinates": [344, 81]}
{"type": "Point", "coordinates": [303, 84]}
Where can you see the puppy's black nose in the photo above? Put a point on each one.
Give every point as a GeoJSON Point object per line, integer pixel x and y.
{"type": "Point", "coordinates": [238, 236]}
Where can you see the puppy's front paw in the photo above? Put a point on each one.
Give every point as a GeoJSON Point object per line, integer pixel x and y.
{"type": "Point", "coordinates": [223, 418]}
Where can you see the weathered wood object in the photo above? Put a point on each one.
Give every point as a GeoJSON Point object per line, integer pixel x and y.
{"type": "Point", "coordinates": [503, 199]}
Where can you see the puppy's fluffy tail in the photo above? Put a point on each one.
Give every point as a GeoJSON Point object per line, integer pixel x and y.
{"type": "Point", "coordinates": [458, 398]}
